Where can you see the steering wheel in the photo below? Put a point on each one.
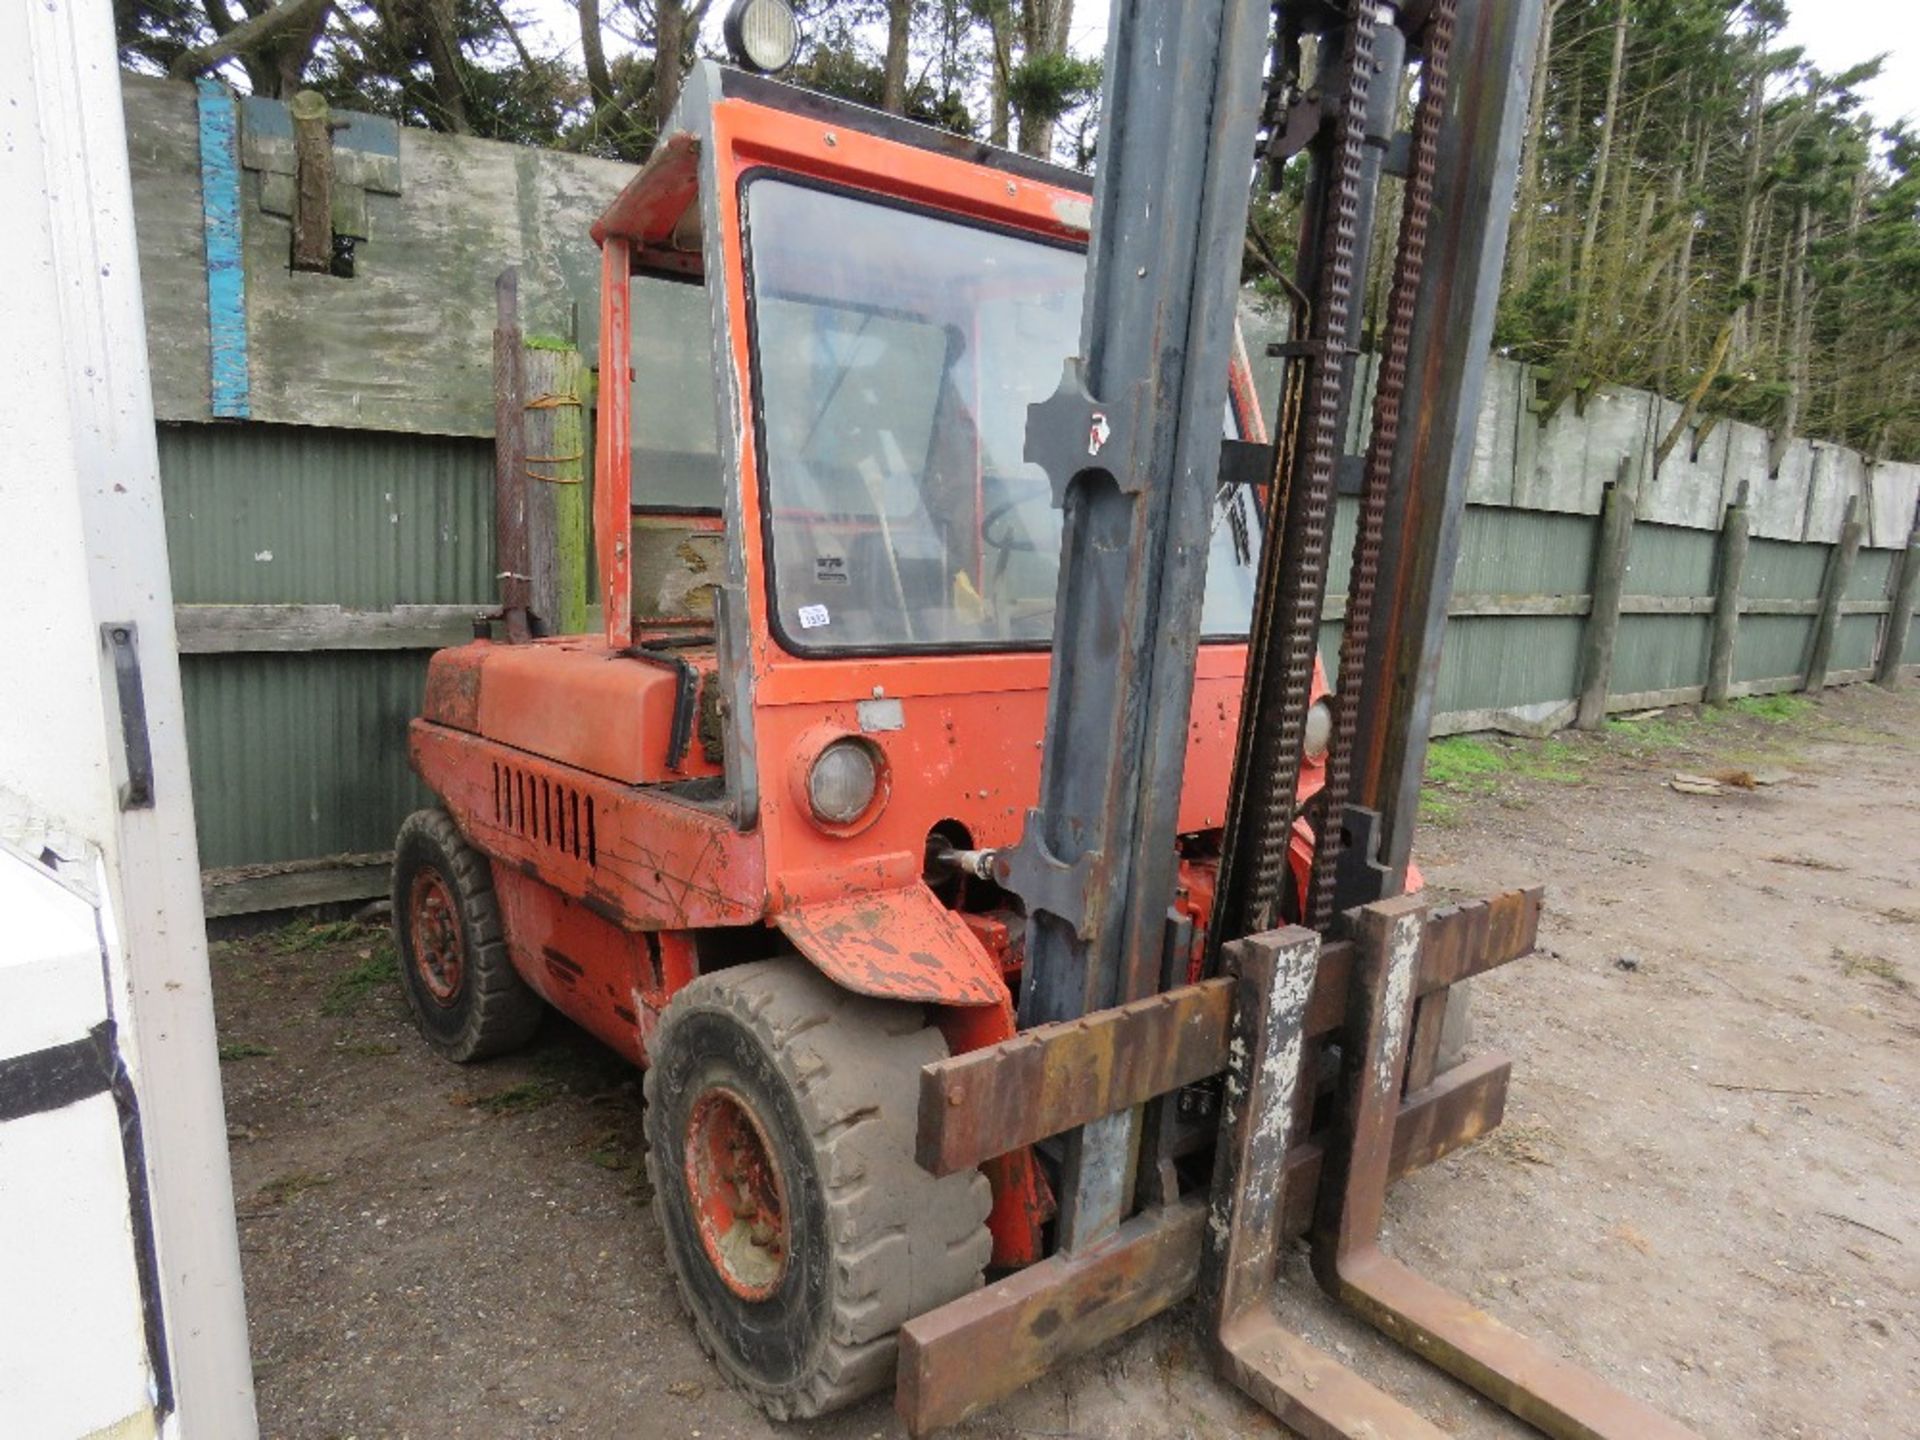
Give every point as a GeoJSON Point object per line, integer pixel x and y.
{"type": "Point", "coordinates": [995, 527]}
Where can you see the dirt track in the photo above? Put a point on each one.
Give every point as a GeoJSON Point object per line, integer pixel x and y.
{"type": "Point", "coordinates": [1706, 1188]}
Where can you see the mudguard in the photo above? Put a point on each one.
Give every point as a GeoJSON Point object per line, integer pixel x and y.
{"type": "Point", "coordinates": [899, 944]}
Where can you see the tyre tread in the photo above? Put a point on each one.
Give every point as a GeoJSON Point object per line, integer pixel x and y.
{"type": "Point", "coordinates": [505, 1011]}
{"type": "Point", "coordinates": [842, 1056]}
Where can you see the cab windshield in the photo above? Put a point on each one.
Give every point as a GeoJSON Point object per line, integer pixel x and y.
{"type": "Point", "coordinates": [896, 353]}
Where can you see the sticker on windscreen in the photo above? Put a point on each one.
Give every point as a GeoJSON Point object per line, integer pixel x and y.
{"type": "Point", "coordinates": [830, 568]}
{"type": "Point", "coordinates": [812, 617]}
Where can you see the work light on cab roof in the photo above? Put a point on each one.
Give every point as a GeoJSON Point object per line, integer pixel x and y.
{"type": "Point", "coordinates": [761, 35]}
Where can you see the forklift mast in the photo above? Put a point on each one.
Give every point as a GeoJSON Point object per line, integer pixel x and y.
{"type": "Point", "coordinates": [1135, 459]}
{"type": "Point", "coordinates": [1132, 453]}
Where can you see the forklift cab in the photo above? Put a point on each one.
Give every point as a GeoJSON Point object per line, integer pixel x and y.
{"type": "Point", "coordinates": [834, 322]}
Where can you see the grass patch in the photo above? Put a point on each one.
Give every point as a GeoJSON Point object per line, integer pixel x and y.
{"type": "Point", "coordinates": [1854, 963]}
{"type": "Point", "coordinates": [307, 935]}
{"type": "Point", "coordinates": [1470, 766]}
{"type": "Point", "coordinates": [243, 1050]}
{"type": "Point", "coordinates": [1559, 762]}
{"type": "Point", "coordinates": [526, 1095]}
{"type": "Point", "coordinates": [1774, 709]}
{"type": "Point", "coordinates": [377, 971]}
{"type": "Point", "coordinates": [278, 1192]}
{"type": "Point", "coordinates": [1657, 732]}
{"type": "Point", "coordinates": [613, 1150]}
{"type": "Point", "coordinates": [1463, 762]}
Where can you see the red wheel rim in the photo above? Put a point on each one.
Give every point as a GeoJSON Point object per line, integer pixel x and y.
{"type": "Point", "coordinates": [433, 924]}
{"type": "Point", "coordinates": [739, 1201]}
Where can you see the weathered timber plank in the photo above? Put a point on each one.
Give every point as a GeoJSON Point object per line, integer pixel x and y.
{"type": "Point", "coordinates": [1471, 607]}
{"type": "Point", "coordinates": [1779, 607]}
{"type": "Point", "coordinates": [977, 1349]}
{"type": "Point", "coordinates": [230, 629]}
{"type": "Point", "coordinates": [226, 270]}
{"type": "Point", "coordinates": [1667, 604]}
{"type": "Point", "coordinates": [313, 182]}
{"type": "Point", "coordinates": [1489, 605]}
{"type": "Point", "coordinates": [254, 890]}
{"type": "Point", "coordinates": [558, 386]}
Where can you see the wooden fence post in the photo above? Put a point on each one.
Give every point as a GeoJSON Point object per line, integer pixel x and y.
{"type": "Point", "coordinates": [1730, 571]}
{"type": "Point", "coordinates": [313, 181]}
{"type": "Point", "coordinates": [1906, 597]}
{"type": "Point", "coordinates": [554, 386]}
{"type": "Point", "coordinates": [1839, 573]}
{"type": "Point", "coordinates": [1602, 630]}
{"type": "Point", "coordinates": [510, 460]}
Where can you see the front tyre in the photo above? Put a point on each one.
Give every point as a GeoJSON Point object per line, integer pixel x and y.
{"type": "Point", "coordinates": [468, 1000]}
{"type": "Point", "coordinates": [780, 1134]}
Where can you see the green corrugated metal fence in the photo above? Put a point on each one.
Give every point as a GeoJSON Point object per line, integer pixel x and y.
{"type": "Point", "coordinates": [302, 755]}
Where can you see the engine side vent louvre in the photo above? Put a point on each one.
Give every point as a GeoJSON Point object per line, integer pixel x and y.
{"type": "Point", "coordinates": [544, 811]}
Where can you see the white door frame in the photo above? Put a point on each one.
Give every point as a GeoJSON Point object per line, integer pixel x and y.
{"type": "Point", "coordinates": [83, 543]}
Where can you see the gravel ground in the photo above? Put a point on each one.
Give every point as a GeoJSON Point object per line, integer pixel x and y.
{"type": "Point", "coordinates": [1705, 1188]}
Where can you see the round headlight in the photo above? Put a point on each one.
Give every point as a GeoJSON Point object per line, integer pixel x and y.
{"type": "Point", "coordinates": [842, 782]}
{"type": "Point", "coordinates": [1319, 729]}
{"type": "Point", "coordinates": [761, 35]}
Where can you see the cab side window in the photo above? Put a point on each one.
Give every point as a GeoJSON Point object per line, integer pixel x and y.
{"type": "Point", "coordinates": [676, 456]}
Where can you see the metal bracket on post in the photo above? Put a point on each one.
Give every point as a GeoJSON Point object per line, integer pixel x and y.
{"type": "Point", "coordinates": [1071, 432]}
{"type": "Point", "coordinates": [1045, 882]}
{"type": "Point", "coordinates": [1359, 878]}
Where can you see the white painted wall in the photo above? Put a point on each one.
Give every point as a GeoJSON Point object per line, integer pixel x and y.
{"type": "Point", "coordinates": [82, 542]}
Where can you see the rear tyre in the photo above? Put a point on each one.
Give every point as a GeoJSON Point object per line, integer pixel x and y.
{"type": "Point", "coordinates": [466, 997]}
{"type": "Point", "coordinates": [780, 1134]}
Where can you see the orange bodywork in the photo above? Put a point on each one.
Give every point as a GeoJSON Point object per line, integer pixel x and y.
{"type": "Point", "coordinates": [612, 853]}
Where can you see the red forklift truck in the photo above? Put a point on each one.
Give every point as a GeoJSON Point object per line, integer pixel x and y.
{"type": "Point", "coordinates": [899, 656]}
{"type": "Point", "coordinates": [736, 836]}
